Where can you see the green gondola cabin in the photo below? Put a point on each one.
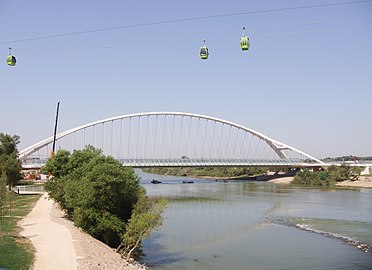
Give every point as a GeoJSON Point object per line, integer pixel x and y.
{"type": "Point", "coordinates": [244, 43]}
{"type": "Point", "coordinates": [11, 60]}
{"type": "Point", "coordinates": [204, 52]}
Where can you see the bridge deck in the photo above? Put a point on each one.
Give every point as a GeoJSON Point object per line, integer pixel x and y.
{"type": "Point", "coordinates": [202, 162]}
{"type": "Point", "coordinates": [138, 163]}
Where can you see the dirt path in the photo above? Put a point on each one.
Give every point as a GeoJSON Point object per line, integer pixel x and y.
{"type": "Point", "coordinates": [61, 246]}
{"type": "Point", "coordinates": [52, 241]}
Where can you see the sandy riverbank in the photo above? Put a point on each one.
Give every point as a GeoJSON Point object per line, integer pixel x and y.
{"type": "Point", "coordinates": [281, 180]}
{"type": "Point", "coordinates": [363, 182]}
{"type": "Point", "coordinates": [60, 245]}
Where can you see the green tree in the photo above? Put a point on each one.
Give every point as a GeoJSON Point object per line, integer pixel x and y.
{"type": "Point", "coordinates": [315, 178]}
{"type": "Point", "coordinates": [355, 172]}
{"type": "Point", "coordinates": [339, 173]}
{"type": "Point", "coordinates": [327, 178]}
{"type": "Point", "coordinates": [102, 200]}
{"type": "Point", "coordinates": [146, 217]}
{"type": "Point", "coordinates": [97, 192]}
{"type": "Point", "coordinates": [8, 144]}
{"type": "Point", "coordinates": [10, 165]}
{"type": "Point", "coordinates": [344, 172]}
{"type": "Point", "coordinates": [58, 165]}
{"type": "Point", "coordinates": [304, 177]}
{"type": "Point", "coordinates": [322, 178]}
{"type": "Point", "coordinates": [3, 199]}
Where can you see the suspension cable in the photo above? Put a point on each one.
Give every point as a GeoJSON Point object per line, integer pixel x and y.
{"type": "Point", "coordinates": [208, 17]}
{"type": "Point", "coordinates": [147, 128]}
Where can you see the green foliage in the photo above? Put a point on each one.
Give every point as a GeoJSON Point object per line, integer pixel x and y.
{"type": "Point", "coordinates": [209, 171]}
{"type": "Point", "coordinates": [103, 198]}
{"type": "Point", "coordinates": [2, 191]}
{"type": "Point", "coordinates": [327, 178]}
{"type": "Point", "coordinates": [355, 173]}
{"type": "Point", "coordinates": [146, 217]}
{"type": "Point", "coordinates": [58, 165]}
{"type": "Point", "coordinates": [304, 177]}
{"type": "Point", "coordinates": [97, 192]}
{"type": "Point", "coordinates": [10, 165]}
{"type": "Point", "coordinates": [3, 202]}
{"type": "Point", "coordinates": [8, 144]}
{"type": "Point", "coordinates": [316, 178]}
{"type": "Point", "coordinates": [339, 173]}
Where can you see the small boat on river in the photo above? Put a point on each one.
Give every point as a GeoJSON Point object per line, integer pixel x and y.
{"type": "Point", "coordinates": [188, 182]}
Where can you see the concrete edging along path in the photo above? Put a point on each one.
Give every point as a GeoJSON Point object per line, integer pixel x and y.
{"type": "Point", "coordinates": [52, 241]}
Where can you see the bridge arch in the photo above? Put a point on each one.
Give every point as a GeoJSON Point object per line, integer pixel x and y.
{"type": "Point", "coordinates": [276, 146]}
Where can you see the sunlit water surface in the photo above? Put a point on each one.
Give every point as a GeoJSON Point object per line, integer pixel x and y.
{"type": "Point", "coordinates": [258, 225]}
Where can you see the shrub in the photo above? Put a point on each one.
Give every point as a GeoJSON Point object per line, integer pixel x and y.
{"type": "Point", "coordinates": [97, 192]}
{"type": "Point", "coordinates": [328, 177]}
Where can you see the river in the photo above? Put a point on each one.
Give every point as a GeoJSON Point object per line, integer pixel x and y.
{"type": "Point", "coordinates": [258, 225]}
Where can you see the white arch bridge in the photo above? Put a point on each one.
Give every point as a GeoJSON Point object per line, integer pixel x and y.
{"type": "Point", "coordinates": [173, 139]}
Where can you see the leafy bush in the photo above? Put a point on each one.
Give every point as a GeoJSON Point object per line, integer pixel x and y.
{"type": "Point", "coordinates": [145, 217]}
{"type": "Point", "coordinates": [10, 165]}
{"type": "Point", "coordinates": [97, 192]}
{"type": "Point", "coordinates": [304, 177]}
{"type": "Point", "coordinates": [326, 178]}
{"type": "Point", "coordinates": [344, 172]}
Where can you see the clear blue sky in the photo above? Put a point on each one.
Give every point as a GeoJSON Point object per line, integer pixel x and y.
{"type": "Point", "coordinates": [306, 81]}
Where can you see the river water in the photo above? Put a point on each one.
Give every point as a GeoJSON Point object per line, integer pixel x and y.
{"type": "Point", "coordinates": [258, 225]}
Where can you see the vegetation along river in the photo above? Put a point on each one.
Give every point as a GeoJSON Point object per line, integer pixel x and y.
{"type": "Point", "coordinates": [258, 225]}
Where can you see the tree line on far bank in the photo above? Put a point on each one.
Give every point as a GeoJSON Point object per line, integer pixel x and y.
{"type": "Point", "coordinates": [327, 177]}
{"type": "Point", "coordinates": [230, 172]}
{"type": "Point", "coordinates": [307, 177]}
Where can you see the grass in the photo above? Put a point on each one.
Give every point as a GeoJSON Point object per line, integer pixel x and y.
{"type": "Point", "coordinates": [16, 252]}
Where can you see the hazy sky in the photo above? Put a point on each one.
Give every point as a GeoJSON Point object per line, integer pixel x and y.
{"type": "Point", "coordinates": [306, 80]}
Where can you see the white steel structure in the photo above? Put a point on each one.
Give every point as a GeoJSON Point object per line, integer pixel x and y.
{"type": "Point", "coordinates": [175, 139]}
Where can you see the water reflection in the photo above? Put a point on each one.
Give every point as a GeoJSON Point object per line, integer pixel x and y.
{"type": "Point", "coordinates": [257, 225]}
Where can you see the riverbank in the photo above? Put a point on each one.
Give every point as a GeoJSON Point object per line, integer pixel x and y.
{"type": "Point", "coordinates": [281, 180]}
{"type": "Point", "coordinates": [363, 182]}
{"type": "Point", "coordinates": [61, 245]}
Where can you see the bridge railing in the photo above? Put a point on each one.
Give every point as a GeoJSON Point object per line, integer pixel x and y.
{"type": "Point", "coordinates": [188, 162]}
{"type": "Point", "coordinates": [195, 162]}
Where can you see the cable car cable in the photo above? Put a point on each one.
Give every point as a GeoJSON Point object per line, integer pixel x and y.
{"type": "Point", "coordinates": [314, 31]}
{"type": "Point", "coordinates": [188, 19]}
